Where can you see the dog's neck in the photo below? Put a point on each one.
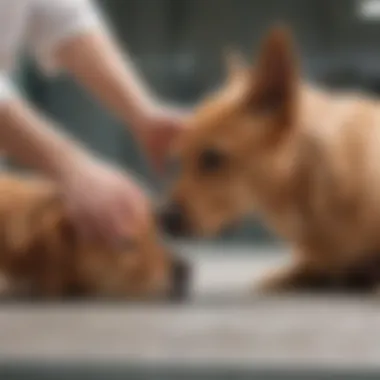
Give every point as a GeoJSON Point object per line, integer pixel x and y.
{"type": "Point", "coordinates": [281, 187]}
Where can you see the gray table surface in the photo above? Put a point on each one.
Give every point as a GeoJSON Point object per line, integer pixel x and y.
{"type": "Point", "coordinates": [223, 324]}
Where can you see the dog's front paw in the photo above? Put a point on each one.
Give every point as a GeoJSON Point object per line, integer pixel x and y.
{"type": "Point", "coordinates": [273, 283]}
{"type": "Point", "coordinates": [294, 278]}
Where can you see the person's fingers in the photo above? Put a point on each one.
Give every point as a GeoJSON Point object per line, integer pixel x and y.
{"type": "Point", "coordinates": [91, 222]}
{"type": "Point", "coordinates": [126, 214]}
{"type": "Point", "coordinates": [113, 212]}
{"type": "Point", "coordinates": [83, 225]}
{"type": "Point", "coordinates": [160, 151]}
{"type": "Point", "coordinates": [138, 212]}
{"type": "Point", "coordinates": [107, 227]}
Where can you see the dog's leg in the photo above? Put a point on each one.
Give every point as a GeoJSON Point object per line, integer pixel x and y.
{"type": "Point", "coordinates": [14, 289]}
{"type": "Point", "coordinates": [362, 277]}
{"type": "Point", "coordinates": [303, 275]}
{"type": "Point", "coordinates": [297, 276]}
{"type": "Point", "coordinates": [6, 287]}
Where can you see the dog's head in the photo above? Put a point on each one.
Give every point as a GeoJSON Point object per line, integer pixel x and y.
{"type": "Point", "coordinates": [235, 141]}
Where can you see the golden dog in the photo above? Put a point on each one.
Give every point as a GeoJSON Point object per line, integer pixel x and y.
{"type": "Point", "coordinates": [307, 160]}
{"type": "Point", "coordinates": [41, 254]}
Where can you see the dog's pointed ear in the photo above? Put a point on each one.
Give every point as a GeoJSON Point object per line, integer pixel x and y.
{"type": "Point", "coordinates": [235, 64]}
{"type": "Point", "coordinates": [274, 79]}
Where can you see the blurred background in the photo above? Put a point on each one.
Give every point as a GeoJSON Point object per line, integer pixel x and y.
{"type": "Point", "coordinates": [178, 46]}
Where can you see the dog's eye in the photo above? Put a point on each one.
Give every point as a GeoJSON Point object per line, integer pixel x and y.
{"type": "Point", "coordinates": [210, 160]}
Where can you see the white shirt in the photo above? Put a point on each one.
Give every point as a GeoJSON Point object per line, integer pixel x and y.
{"type": "Point", "coordinates": [39, 26]}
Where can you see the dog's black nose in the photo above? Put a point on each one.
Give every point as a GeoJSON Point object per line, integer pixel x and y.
{"type": "Point", "coordinates": [180, 279]}
{"type": "Point", "coordinates": [171, 219]}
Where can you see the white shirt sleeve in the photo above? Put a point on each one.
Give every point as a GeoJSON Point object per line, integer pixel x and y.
{"type": "Point", "coordinates": [7, 89]}
{"type": "Point", "coordinates": [54, 21]}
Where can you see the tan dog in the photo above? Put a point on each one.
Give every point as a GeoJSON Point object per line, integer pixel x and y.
{"type": "Point", "coordinates": [305, 159]}
{"type": "Point", "coordinates": [41, 255]}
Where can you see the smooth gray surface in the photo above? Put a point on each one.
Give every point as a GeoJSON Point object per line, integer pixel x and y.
{"type": "Point", "coordinates": [223, 324]}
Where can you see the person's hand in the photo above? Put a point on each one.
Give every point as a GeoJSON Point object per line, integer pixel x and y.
{"type": "Point", "coordinates": [103, 202]}
{"type": "Point", "coordinates": [157, 131]}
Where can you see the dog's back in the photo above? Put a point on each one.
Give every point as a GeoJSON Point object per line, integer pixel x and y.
{"type": "Point", "coordinates": [339, 152]}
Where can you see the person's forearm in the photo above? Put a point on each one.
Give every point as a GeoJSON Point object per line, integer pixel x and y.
{"type": "Point", "coordinates": [95, 61]}
{"type": "Point", "coordinates": [32, 140]}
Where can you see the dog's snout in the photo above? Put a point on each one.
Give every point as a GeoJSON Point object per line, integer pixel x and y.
{"type": "Point", "coordinates": [171, 219]}
{"type": "Point", "coordinates": [180, 279]}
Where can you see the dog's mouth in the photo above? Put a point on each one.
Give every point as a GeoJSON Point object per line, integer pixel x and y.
{"type": "Point", "coordinates": [173, 221]}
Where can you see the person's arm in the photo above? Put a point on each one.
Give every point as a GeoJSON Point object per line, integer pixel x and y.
{"type": "Point", "coordinates": [71, 35]}
{"type": "Point", "coordinates": [113, 208]}
{"type": "Point", "coordinates": [31, 139]}
{"type": "Point", "coordinates": [94, 59]}
{"type": "Point", "coordinates": [111, 77]}
{"type": "Point", "coordinates": [34, 141]}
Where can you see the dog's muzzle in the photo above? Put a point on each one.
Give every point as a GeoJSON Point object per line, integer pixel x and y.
{"type": "Point", "coordinates": [171, 219]}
